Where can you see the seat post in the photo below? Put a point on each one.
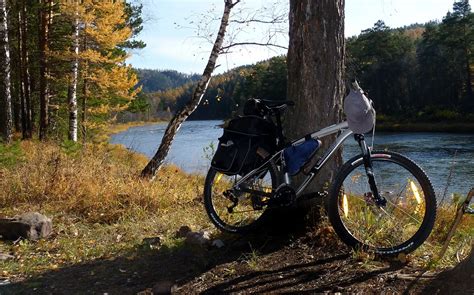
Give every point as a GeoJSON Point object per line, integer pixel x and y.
{"type": "Point", "coordinates": [281, 138]}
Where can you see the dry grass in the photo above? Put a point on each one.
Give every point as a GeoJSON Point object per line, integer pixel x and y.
{"type": "Point", "coordinates": [96, 184]}
{"type": "Point", "coordinates": [100, 208]}
{"type": "Point", "coordinates": [460, 245]}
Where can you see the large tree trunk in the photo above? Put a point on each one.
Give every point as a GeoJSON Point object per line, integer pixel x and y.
{"type": "Point", "coordinates": [181, 115]}
{"type": "Point", "coordinates": [459, 280]}
{"type": "Point", "coordinates": [44, 87]}
{"type": "Point", "coordinates": [316, 73]}
{"type": "Point", "coordinates": [72, 88]}
{"type": "Point", "coordinates": [6, 122]}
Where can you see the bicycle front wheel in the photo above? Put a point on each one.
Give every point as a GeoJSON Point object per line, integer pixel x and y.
{"type": "Point", "coordinates": [401, 225]}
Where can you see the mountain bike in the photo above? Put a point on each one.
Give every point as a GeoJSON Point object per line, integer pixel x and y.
{"type": "Point", "coordinates": [379, 201]}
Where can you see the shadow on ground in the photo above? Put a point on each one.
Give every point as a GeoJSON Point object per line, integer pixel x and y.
{"type": "Point", "coordinates": [336, 272]}
{"type": "Point", "coordinates": [141, 268]}
{"type": "Point", "coordinates": [286, 257]}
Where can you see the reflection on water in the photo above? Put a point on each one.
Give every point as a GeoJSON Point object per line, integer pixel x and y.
{"type": "Point", "coordinates": [434, 152]}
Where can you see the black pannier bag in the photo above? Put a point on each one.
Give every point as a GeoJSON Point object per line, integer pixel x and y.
{"type": "Point", "coordinates": [237, 149]}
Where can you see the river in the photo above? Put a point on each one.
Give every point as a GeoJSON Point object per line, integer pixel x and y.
{"type": "Point", "coordinates": [436, 153]}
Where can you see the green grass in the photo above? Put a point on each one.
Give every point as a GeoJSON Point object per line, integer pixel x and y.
{"type": "Point", "coordinates": [10, 155]}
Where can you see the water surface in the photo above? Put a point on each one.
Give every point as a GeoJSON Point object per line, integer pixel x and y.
{"type": "Point", "coordinates": [436, 153]}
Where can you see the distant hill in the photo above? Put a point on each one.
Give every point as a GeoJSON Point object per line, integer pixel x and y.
{"type": "Point", "coordinates": [160, 80]}
{"type": "Point", "coordinates": [421, 73]}
{"type": "Point", "coordinates": [228, 91]}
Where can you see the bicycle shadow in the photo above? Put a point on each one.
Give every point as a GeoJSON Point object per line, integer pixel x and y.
{"type": "Point", "coordinates": [320, 276]}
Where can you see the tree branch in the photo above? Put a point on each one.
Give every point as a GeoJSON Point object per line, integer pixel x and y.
{"type": "Point", "coordinates": [253, 44]}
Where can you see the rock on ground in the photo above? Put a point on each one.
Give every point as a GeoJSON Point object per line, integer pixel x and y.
{"type": "Point", "coordinates": [31, 226]}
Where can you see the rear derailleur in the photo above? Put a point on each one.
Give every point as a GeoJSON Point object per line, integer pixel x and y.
{"type": "Point", "coordinates": [235, 200]}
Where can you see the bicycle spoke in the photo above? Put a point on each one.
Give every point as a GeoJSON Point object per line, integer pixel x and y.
{"type": "Point", "coordinates": [382, 226]}
{"type": "Point", "coordinates": [403, 211]}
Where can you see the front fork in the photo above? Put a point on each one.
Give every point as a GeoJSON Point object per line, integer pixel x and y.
{"type": "Point", "coordinates": [366, 152]}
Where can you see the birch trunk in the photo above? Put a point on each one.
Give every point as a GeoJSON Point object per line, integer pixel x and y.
{"type": "Point", "coordinates": [316, 73]}
{"type": "Point", "coordinates": [181, 115]}
{"type": "Point", "coordinates": [6, 100]}
{"type": "Point", "coordinates": [72, 88]}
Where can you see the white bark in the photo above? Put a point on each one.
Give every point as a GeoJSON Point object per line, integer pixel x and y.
{"type": "Point", "coordinates": [155, 163]}
{"type": "Point", "coordinates": [6, 112]}
{"type": "Point", "coordinates": [72, 89]}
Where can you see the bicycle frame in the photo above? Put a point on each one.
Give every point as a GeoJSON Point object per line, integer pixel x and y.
{"type": "Point", "coordinates": [345, 132]}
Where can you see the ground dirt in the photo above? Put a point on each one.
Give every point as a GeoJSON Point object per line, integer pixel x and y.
{"type": "Point", "coordinates": [276, 260]}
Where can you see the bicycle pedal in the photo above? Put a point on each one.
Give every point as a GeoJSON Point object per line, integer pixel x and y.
{"type": "Point", "coordinates": [285, 195]}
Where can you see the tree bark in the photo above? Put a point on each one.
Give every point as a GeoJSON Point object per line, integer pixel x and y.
{"type": "Point", "coordinates": [458, 280]}
{"type": "Point", "coordinates": [181, 115]}
{"type": "Point", "coordinates": [16, 90]}
{"type": "Point", "coordinates": [25, 76]}
{"type": "Point", "coordinates": [72, 88]}
{"type": "Point", "coordinates": [85, 93]}
{"type": "Point", "coordinates": [5, 100]}
{"type": "Point", "coordinates": [44, 87]}
{"type": "Point", "coordinates": [316, 73]}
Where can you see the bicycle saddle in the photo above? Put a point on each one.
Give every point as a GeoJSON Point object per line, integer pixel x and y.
{"type": "Point", "coordinates": [277, 104]}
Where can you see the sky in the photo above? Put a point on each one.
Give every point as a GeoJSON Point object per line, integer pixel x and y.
{"type": "Point", "coordinates": [172, 42]}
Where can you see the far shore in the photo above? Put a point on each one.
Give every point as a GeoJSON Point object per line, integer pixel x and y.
{"type": "Point", "coordinates": [451, 127]}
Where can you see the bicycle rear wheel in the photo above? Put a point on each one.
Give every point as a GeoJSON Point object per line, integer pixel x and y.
{"type": "Point", "coordinates": [231, 208]}
{"type": "Point", "coordinates": [400, 226]}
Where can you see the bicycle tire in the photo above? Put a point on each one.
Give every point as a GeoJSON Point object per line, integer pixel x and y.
{"type": "Point", "coordinates": [218, 219]}
{"type": "Point", "coordinates": [359, 236]}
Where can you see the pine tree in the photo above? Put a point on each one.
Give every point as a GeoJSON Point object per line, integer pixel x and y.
{"type": "Point", "coordinates": [92, 60]}
{"type": "Point", "coordinates": [44, 27]}
{"type": "Point", "coordinates": [26, 104]}
{"type": "Point", "coordinates": [457, 34]}
{"type": "Point", "coordinates": [104, 72]}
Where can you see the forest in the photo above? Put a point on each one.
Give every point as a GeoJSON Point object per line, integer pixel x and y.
{"type": "Point", "coordinates": [68, 75]}
{"type": "Point", "coordinates": [63, 65]}
{"type": "Point", "coordinates": [421, 73]}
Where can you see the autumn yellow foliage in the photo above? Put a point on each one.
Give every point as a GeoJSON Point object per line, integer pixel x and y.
{"type": "Point", "coordinates": [99, 206]}
{"type": "Point", "coordinates": [98, 183]}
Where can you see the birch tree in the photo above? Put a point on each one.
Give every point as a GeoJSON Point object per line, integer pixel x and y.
{"type": "Point", "coordinates": [181, 115]}
{"type": "Point", "coordinates": [72, 88]}
{"type": "Point", "coordinates": [6, 103]}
